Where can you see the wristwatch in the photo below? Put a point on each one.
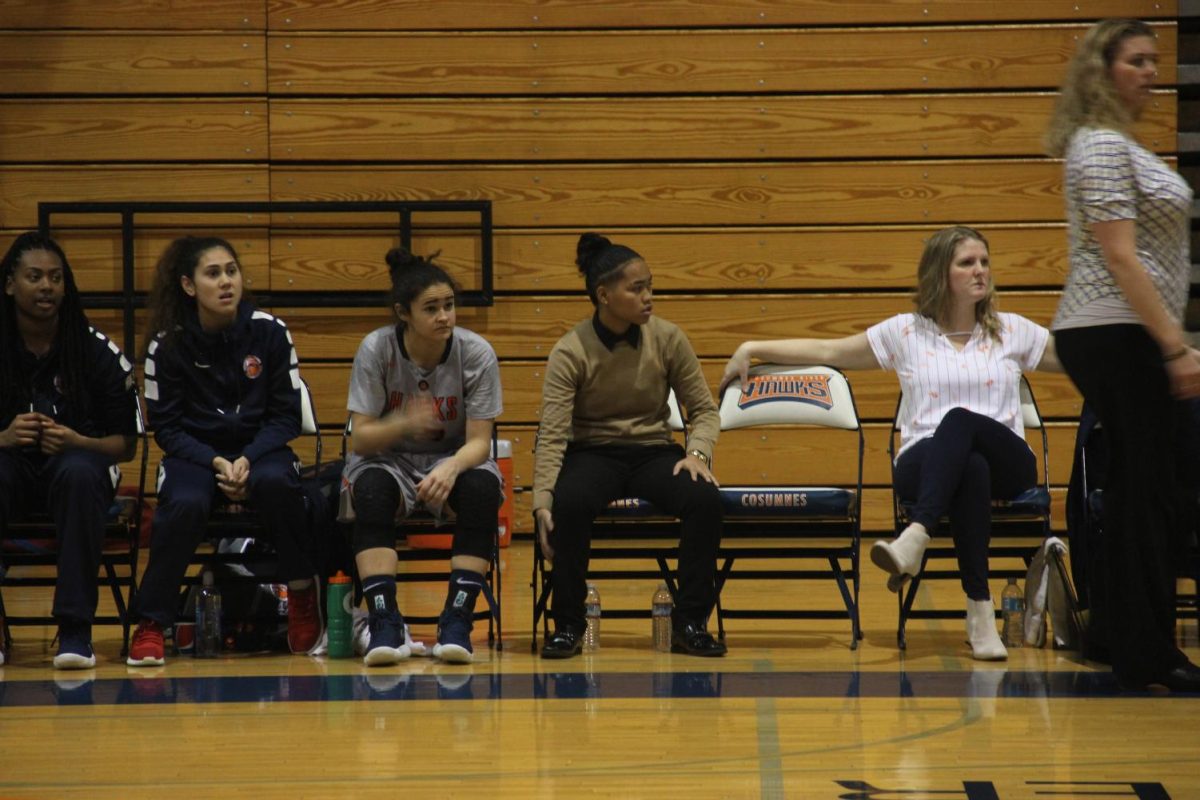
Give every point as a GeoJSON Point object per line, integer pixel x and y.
{"type": "Point", "coordinates": [703, 458]}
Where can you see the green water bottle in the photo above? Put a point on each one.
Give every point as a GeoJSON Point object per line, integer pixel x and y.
{"type": "Point", "coordinates": [340, 625]}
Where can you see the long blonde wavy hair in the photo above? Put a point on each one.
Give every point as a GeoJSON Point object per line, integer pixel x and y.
{"type": "Point", "coordinates": [932, 297]}
{"type": "Point", "coordinates": [1087, 97]}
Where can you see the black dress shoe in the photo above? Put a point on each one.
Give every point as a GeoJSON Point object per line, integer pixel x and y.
{"type": "Point", "coordinates": [695, 641]}
{"type": "Point", "coordinates": [563, 644]}
{"type": "Point", "coordinates": [1185, 678]}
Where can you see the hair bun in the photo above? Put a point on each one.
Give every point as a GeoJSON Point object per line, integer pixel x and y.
{"type": "Point", "coordinates": [590, 245]}
{"type": "Point", "coordinates": [399, 259]}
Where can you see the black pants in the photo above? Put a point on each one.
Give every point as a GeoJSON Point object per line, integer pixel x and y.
{"type": "Point", "coordinates": [1147, 516]}
{"type": "Point", "coordinates": [76, 487]}
{"type": "Point", "coordinates": [969, 461]}
{"type": "Point", "coordinates": [591, 478]}
{"type": "Point", "coordinates": [185, 500]}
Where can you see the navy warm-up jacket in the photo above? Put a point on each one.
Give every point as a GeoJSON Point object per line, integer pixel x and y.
{"type": "Point", "coordinates": [232, 393]}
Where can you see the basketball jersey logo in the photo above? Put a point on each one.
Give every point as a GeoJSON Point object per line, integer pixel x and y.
{"type": "Point", "coordinates": [252, 366]}
{"type": "Point", "coordinates": [810, 389]}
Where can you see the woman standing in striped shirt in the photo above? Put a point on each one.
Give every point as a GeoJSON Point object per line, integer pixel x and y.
{"type": "Point", "coordinates": [962, 440]}
{"type": "Point", "coordinates": [1120, 333]}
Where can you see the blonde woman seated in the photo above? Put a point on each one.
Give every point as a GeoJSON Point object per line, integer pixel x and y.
{"type": "Point", "coordinates": [962, 441]}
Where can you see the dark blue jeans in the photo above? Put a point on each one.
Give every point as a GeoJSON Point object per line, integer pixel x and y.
{"type": "Point", "coordinates": [969, 461]}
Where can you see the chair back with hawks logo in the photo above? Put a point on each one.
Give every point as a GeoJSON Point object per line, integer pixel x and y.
{"type": "Point", "coordinates": [810, 521]}
{"type": "Point", "coordinates": [1019, 524]}
{"type": "Point", "coordinates": [630, 529]}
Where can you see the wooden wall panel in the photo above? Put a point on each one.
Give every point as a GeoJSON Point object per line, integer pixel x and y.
{"type": "Point", "coordinates": [133, 14]}
{"type": "Point", "coordinates": [58, 131]}
{"type": "Point", "coordinates": [816, 193]}
{"type": "Point", "coordinates": [690, 259]}
{"type": "Point", "coordinates": [22, 187]}
{"type": "Point", "coordinates": [50, 63]}
{"type": "Point", "coordinates": [701, 128]}
{"type": "Point", "coordinates": [527, 327]}
{"type": "Point", "coordinates": [484, 14]}
{"type": "Point", "coordinates": [679, 61]}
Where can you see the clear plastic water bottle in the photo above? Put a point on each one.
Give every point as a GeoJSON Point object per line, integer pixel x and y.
{"type": "Point", "coordinates": [1012, 604]}
{"type": "Point", "coordinates": [591, 635]}
{"type": "Point", "coordinates": [660, 612]}
{"type": "Point", "coordinates": [208, 619]}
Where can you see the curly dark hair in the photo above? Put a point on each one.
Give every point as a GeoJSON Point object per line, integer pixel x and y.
{"type": "Point", "coordinates": [168, 301]}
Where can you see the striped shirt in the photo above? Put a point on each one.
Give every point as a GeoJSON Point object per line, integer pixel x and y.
{"type": "Point", "coordinates": [1108, 176]}
{"type": "Point", "coordinates": [984, 377]}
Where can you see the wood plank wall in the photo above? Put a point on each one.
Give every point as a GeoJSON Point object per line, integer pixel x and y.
{"type": "Point", "coordinates": [778, 163]}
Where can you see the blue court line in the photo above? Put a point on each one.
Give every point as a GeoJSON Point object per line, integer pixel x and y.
{"type": "Point", "coordinates": [67, 690]}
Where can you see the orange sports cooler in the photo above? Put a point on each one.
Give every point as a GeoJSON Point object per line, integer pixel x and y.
{"type": "Point", "coordinates": [444, 541]}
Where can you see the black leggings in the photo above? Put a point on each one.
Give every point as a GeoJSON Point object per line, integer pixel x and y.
{"type": "Point", "coordinates": [593, 476]}
{"type": "Point", "coordinates": [969, 460]}
{"type": "Point", "coordinates": [475, 500]}
{"type": "Point", "coordinates": [1118, 369]}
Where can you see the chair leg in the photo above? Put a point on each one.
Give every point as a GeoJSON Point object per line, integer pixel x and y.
{"type": "Point", "coordinates": [498, 616]}
{"type": "Point", "coordinates": [5, 632]}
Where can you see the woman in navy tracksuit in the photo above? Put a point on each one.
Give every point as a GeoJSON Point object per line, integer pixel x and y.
{"type": "Point", "coordinates": [68, 414]}
{"type": "Point", "coordinates": [223, 394]}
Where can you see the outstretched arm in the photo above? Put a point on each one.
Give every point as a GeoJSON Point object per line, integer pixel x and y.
{"type": "Point", "coordinates": [850, 352]}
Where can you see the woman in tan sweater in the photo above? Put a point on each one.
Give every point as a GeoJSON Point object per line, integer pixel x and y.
{"type": "Point", "coordinates": [604, 435]}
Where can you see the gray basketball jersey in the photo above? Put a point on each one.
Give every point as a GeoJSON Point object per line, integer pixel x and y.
{"type": "Point", "coordinates": [465, 385]}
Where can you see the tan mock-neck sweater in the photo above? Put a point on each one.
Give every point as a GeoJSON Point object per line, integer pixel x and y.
{"type": "Point", "coordinates": [595, 395]}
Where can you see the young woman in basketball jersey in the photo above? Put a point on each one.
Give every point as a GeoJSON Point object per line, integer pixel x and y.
{"type": "Point", "coordinates": [68, 414]}
{"type": "Point", "coordinates": [604, 435]}
{"type": "Point", "coordinates": [962, 441]}
{"type": "Point", "coordinates": [424, 395]}
{"type": "Point", "coordinates": [223, 394]}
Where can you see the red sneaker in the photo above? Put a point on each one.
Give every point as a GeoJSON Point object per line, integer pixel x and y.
{"type": "Point", "coordinates": [304, 618]}
{"type": "Point", "coordinates": [147, 647]}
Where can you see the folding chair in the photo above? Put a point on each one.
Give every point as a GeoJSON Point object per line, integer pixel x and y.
{"type": "Point", "coordinates": [630, 529]}
{"type": "Point", "coordinates": [31, 542]}
{"type": "Point", "coordinates": [1019, 526]}
{"type": "Point", "coordinates": [793, 522]}
{"type": "Point", "coordinates": [421, 522]}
